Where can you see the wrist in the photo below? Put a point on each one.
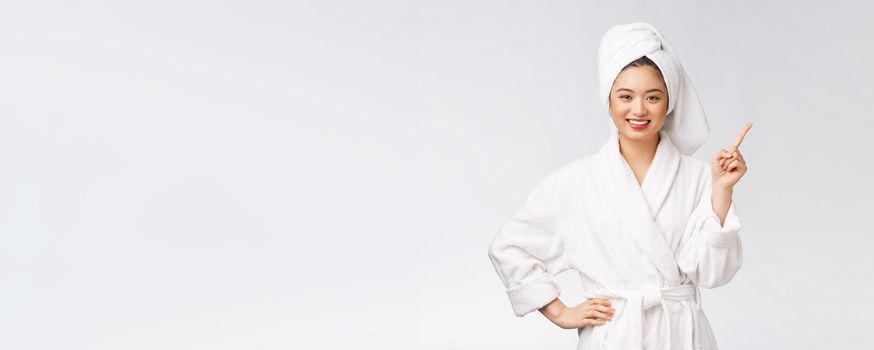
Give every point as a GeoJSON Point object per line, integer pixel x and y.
{"type": "Point", "coordinates": [721, 195]}
{"type": "Point", "coordinates": [723, 189]}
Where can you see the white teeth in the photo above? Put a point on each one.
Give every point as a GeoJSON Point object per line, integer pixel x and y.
{"type": "Point", "coordinates": [638, 122]}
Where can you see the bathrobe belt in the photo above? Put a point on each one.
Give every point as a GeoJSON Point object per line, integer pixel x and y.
{"type": "Point", "coordinates": [626, 327]}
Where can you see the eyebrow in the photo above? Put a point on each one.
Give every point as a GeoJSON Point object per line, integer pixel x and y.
{"type": "Point", "coordinates": [650, 90]}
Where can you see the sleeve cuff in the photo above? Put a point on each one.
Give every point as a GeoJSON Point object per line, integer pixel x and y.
{"type": "Point", "coordinates": [720, 235]}
{"type": "Point", "coordinates": [534, 294]}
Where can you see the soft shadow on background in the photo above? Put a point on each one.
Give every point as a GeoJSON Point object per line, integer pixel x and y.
{"type": "Point", "coordinates": [328, 175]}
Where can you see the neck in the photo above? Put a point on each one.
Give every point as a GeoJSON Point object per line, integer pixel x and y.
{"type": "Point", "coordinates": [638, 151]}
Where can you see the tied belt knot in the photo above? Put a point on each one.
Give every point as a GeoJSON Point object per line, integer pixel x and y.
{"type": "Point", "coordinates": [626, 328]}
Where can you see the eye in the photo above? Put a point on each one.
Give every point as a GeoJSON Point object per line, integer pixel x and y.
{"type": "Point", "coordinates": [624, 96]}
{"type": "Point", "coordinates": [655, 98]}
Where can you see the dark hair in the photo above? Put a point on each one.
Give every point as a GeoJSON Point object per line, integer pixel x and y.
{"type": "Point", "coordinates": [645, 62]}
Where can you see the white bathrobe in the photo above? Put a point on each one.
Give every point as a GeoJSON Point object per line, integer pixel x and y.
{"type": "Point", "coordinates": [647, 248]}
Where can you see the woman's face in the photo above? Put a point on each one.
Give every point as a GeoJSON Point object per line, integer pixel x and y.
{"type": "Point", "coordinates": [639, 103]}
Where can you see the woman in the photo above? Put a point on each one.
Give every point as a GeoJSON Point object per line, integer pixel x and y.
{"type": "Point", "coordinates": [642, 222]}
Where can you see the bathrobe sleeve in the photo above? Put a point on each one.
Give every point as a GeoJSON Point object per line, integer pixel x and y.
{"type": "Point", "coordinates": [528, 251]}
{"type": "Point", "coordinates": [710, 252]}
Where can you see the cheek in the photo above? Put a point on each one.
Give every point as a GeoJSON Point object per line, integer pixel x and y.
{"type": "Point", "coordinates": [660, 109]}
{"type": "Point", "coordinates": [660, 123]}
{"type": "Point", "coordinates": [617, 110]}
{"type": "Point", "coordinates": [618, 116]}
{"type": "Point", "coordinates": [658, 114]}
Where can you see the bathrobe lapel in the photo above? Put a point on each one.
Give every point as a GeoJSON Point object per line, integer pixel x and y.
{"type": "Point", "coordinates": [637, 206]}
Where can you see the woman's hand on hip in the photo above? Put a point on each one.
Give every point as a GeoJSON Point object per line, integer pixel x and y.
{"type": "Point", "coordinates": [592, 312]}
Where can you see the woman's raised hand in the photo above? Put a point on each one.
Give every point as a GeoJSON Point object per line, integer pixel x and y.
{"type": "Point", "coordinates": [592, 312]}
{"type": "Point", "coordinates": [728, 164]}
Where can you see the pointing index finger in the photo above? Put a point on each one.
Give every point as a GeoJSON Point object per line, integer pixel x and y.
{"type": "Point", "coordinates": [740, 137]}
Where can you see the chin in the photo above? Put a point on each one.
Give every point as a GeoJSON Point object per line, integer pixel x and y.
{"type": "Point", "coordinates": [640, 135]}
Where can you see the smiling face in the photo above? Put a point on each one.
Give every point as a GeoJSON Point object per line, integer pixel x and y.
{"type": "Point", "coordinates": [639, 103]}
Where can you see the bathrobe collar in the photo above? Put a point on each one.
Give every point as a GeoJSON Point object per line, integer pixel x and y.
{"type": "Point", "coordinates": [638, 206]}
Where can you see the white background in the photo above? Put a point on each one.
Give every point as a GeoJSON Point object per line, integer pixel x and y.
{"type": "Point", "coordinates": [328, 175]}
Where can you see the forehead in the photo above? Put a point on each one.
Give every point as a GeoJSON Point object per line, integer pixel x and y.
{"type": "Point", "coordinates": [639, 79]}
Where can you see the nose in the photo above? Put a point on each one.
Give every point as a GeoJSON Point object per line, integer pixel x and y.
{"type": "Point", "coordinates": [638, 110]}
